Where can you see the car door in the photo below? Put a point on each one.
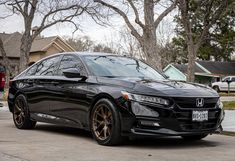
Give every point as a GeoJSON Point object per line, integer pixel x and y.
{"type": "Point", "coordinates": [232, 84]}
{"type": "Point", "coordinates": [71, 106]}
{"type": "Point", "coordinates": [224, 84]}
{"type": "Point", "coordinates": [42, 80]}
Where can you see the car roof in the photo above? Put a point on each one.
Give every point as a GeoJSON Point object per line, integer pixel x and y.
{"type": "Point", "coordinates": [81, 54]}
{"type": "Point", "coordinates": [89, 53]}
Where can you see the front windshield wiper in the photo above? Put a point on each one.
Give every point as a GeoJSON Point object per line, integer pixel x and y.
{"type": "Point", "coordinates": [104, 56]}
{"type": "Point", "coordinates": [101, 56]}
{"type": "Point", "coordinates": [109, 76]}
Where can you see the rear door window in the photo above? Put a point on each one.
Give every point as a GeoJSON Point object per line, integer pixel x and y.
{"type": "Point", "coordinates": [31, 70]}
{"type": "Point", "coordinates": [48, 66]}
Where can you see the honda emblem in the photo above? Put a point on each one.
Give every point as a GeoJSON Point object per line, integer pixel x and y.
{"type": "Point", "coordinates": [199, 102]}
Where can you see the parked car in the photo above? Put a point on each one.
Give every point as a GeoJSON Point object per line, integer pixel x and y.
{"type": "Point", "coordinates": [228, 83]}
{"type": "Point", "coordinates": [112, 96]}
{"type": "Point", "coordinates": [2, 78]}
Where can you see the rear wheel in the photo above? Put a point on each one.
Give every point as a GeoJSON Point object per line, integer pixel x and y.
{"type": "Point", "coordinates": [105, 123]}
{"type": "Point", "coordinates": [194, 137]}
{"type": "Point", "coordinates": [21, 116]}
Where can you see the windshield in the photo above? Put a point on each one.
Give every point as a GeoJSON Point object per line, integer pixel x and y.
{"type": "Point", "coordinates": [117, 66]}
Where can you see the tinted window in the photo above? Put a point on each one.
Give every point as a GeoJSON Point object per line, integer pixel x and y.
{"type": "Point", "coordinates": [2, 68]}
{"type": "Point", "coordinates": [32, 70]}
{"type": "Point", "coordinates": [233, 79]}
{"type": "Point", "coordinates": [47, 67]}
{"type": "Point", "coordinates": [226, 79]}
{"type": "Point", "coordinates": [116, 66]}
{"type": "Point", "coordinates": [69, 61]}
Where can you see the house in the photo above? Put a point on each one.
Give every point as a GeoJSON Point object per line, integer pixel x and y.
{"type": "Point", "coordinates": [41, 47]}
{"type": "Point", "coordinates": [206, 72]}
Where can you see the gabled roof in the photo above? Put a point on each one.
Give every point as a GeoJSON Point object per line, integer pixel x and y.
{"type": "Point", "coordinates": [183, 68]}
{"type": "Point", "coordinates": [12, 44]}
{"type": "Point", "coordinates": [208, 68]}
{"type": "Point", "coordinates": [219, 68]}
{"type": "Point", "coordinates": [39, 44]}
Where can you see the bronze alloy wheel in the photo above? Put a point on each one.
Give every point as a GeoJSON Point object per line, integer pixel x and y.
{"type": "Point", "coordinates": [19, 112]}
{"type": "Point", "coordinates": [21, 115]}
{"type": "Point", "coordinates": [102, 122]}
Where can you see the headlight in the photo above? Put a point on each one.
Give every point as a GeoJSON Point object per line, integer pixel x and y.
{"type": "Point", "coordinates": [140, 110]}
{"type": "Point", "coordinates": [143, 98]}
{"type": "Point", "coordinates": [219, 104]}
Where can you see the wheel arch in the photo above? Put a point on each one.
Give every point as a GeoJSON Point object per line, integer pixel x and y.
{"type": "Point", "coordinates": [11, 105]}
{"type": "Point", "coordinates": [95, 100]}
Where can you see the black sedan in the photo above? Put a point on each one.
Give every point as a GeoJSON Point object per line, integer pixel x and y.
{"type": "Point", "coordinates": [112, 96]}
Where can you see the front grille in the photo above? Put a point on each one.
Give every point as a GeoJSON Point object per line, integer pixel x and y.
{"type": "Point", "coordinates": [184, 117]}
{"type": "Point", "coordinates": [191, 102]}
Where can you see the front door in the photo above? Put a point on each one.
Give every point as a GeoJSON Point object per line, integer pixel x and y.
{"type": "Point", "coordinates": [71, 105]}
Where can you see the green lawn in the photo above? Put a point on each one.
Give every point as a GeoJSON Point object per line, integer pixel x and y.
{"type": "Point", "coordinates": [226, 94]}
{"type": "Point", "coordinates": [229, 105]}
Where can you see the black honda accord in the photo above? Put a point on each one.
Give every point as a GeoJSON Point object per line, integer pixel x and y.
{"type": "Point", "coordinates": [112, 96]}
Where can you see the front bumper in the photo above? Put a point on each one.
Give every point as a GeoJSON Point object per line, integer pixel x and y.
{"type": "Point", "coordinates": [174, 121]}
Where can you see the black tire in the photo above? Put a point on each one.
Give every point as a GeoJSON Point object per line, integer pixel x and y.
{"type": "Point", "coordinates": [21, 116]}
{"type": "Point", "coordinates": [109, 121]}
{"type": "Point", "coordinates": [216, 88]}
{"type": "Point", "coordinates": [194, 137]}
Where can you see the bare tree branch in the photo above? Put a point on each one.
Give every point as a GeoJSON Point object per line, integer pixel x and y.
{"type": "Point", "coordinates": [124, 16]}
{"type": "Point", "coordinates": [137, 17]}
{"type": "Point", "coordinates": [165, 13]}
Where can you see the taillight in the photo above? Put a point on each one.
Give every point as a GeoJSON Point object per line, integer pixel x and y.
{"type": "Point", "coordinates": [10, 83]}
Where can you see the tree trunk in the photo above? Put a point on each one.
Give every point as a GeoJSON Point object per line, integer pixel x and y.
{"type": "Point", "coordinates": [192, 55]}
{"type": "Point", "coordinates": [6, 64]}
{"type": "Point", "coordinates": [150, 51]}
{"type": "Point", "coordinates": [149, 39]}
{"type": "Point", "coordinates": [26, 43]}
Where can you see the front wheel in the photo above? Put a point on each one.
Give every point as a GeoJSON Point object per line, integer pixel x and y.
{"type": "Point", "coordinates": [21, 116]}
{"type": "Point", "coordinates": [194, 137]}
{"type": "Point", "coordinates": [105, 123]}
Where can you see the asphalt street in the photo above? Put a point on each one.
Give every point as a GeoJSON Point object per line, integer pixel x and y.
{"type": "Point", "coordinates": [55, 143]}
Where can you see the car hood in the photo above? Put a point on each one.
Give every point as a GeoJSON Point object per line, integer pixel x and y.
{"type": "Point", "coordinates": [166, 87]}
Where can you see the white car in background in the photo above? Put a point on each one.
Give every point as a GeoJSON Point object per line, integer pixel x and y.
{"type": "Point", "coordinates": [223, 85]}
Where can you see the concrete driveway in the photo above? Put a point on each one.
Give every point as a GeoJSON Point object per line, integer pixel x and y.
{"type": "Point", "coordinates": [55, 143]}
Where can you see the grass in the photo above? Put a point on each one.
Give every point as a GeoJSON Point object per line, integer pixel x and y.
{"type": "Point", "coordinates": [229, 105]}
{"type": "Point", "coordinates": [228, 133]}
{"type": "Point", "coordinates": [226, 94]}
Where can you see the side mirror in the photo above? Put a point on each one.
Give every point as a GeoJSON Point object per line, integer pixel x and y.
{"type": "Point", "coordinates": [72, 73]}
{"type": "Point", "coordinates": [228, 81]}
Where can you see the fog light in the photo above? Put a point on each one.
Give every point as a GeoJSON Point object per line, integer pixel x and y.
{"type": "Point", "coordinates": [140, 110]}
{"type": "Point", "coordinates": [149, 123]}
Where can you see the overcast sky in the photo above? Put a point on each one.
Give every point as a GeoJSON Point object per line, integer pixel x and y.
{"type": "Point", "coordinates": [97, 33]}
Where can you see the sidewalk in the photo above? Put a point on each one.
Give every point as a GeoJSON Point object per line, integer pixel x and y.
{"type": "Point", "coordinates": [4, 107]}
{"type": "Point", "coordinates": [229, 121]}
